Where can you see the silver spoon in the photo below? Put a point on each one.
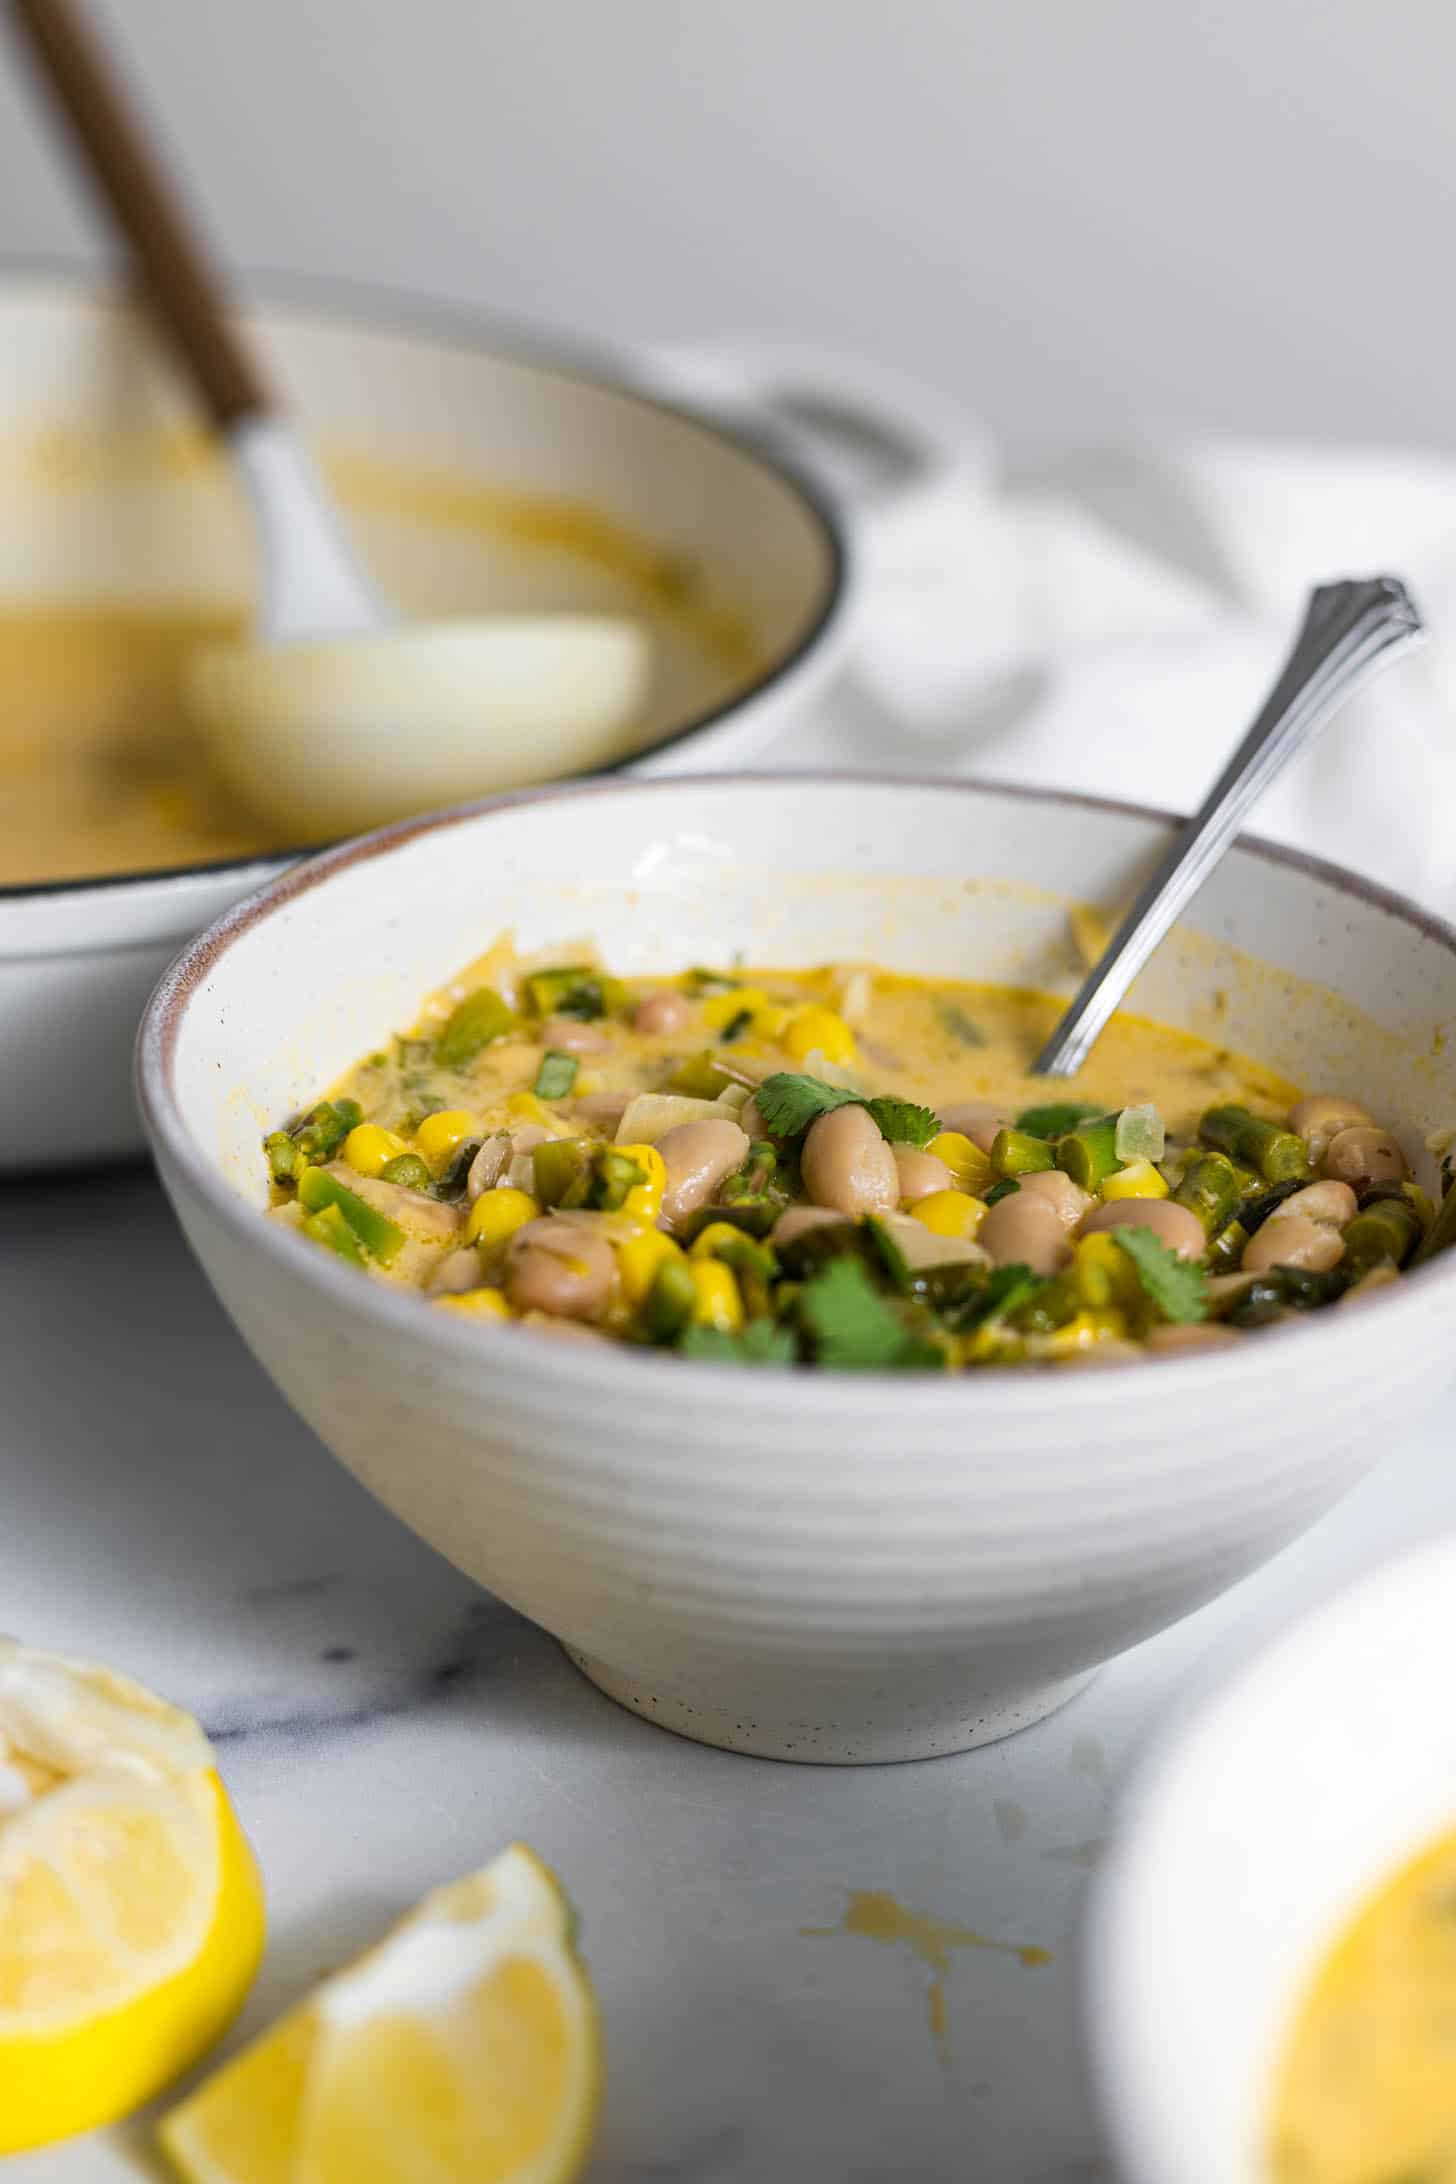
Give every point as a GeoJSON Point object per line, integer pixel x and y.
{"type": "Point", "coordinates": [1348, 630]}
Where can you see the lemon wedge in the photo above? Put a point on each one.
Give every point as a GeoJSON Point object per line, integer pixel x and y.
{"type": "Point", "coordinates": [463, 2049]}
{"type": "Point", "coordinates": [131, 1915]}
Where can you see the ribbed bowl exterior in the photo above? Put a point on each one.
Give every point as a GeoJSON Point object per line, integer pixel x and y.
{"type": "Point", "coordinates": [876, 1572]}
{"type": "Point", "coordinates": [816, 1566]}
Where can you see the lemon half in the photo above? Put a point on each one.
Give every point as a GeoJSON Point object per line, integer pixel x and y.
{"type": "Point", "coordinates": [463, 2049]}
{"type": "Point", "coordinates": [131, 1914]}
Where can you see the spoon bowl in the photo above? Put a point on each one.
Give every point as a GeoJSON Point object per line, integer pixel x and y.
{"type": "Point", "coordinates": [328, 736]}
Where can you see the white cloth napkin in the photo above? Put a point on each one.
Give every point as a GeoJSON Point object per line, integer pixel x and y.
{"type": "Point", "coordinates": [1111, 622]}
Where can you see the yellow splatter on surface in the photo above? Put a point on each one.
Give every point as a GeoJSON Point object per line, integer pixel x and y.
{"type": "Point", "coordinates": [1088, 1854]}
{"type": "Point", "coordinates": [1088, 1758]}
{"type": "Point", "coordinates": [875, 1915]}
{"type": "Point", "coordinates": [1010, 1819]}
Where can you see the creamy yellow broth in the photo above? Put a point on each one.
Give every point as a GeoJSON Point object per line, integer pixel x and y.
{"type": "Point", "coordinates": [911, 1039]}
{"type": "Point", "coordinates": [99, 770]}
{"type": "Point", "coordinates": [1367, 2088]}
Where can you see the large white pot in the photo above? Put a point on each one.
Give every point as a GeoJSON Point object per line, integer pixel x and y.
{"type": "Point", "coordinates": [109, 492]}
{"type": "Point", "coordinates": [808, 1565]}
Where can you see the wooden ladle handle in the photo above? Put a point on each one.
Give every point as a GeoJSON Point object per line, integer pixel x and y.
{"type": "Point", "coordinates": [183, 290]}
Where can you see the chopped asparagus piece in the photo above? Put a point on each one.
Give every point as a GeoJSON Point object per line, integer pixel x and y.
{"type": "Point", "coordinates": [1088, 1154]}
{"type": "Point", "coordinates": [1210, 1188]}
{"type": "Point", "coordinates": [1017, 1152]}
{"type": "Point", "coordinates": [1386, 1230]}
{"type": "Point", "coordinates": [382, 1238]}
{"type": "Point", "coordinates": [1277, 1153]}
{"type": "Point", "coordinates": [472, 1025]}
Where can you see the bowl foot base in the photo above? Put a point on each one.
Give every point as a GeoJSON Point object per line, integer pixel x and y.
{"type": "Point", "coordinates": [858, 1733]}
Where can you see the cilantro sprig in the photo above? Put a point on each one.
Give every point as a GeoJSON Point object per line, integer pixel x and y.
{"type": "Point", "coordinates": [762, 1342]}
{"type": "Point", "coordinates": [789, 1103]}
{"type": "Point", "coordinates": [1177, 1287]}
{"type": "Point", "coordinates": [855, 1330]}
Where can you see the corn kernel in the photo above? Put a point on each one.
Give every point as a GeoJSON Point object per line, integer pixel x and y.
{"type": "Point", "coordinates": [718, 1301]}
{"type": "Point", "coordinates": [368, 1148]}
{"type": "Point", "coordinates": [476, 1304]}
{"type": "Point", "coordinates": [720, 1009]}
{"type": "Point", "coordinates": [438, 1136]}
{"type": "Point", "coordinates": [643, 1201]}
{"type": "Point", "coordinates": [708, 1241]}
{"type": "Point", "coordinates": [1102, 1273]}
{"type": "Point", "coordinates": [766, 1017]}
{"type": "Point", "coordinates": [498, 1214]}
{"type": "Point", "coordinates": [950, 1213]}
{"type": "Point", "coordinates": [1086, 1330]}
{"type": "Point", "coordinates": [967, 1163]}
{"type": "Point", "coordinates": [527, 1108]}
{"type": "Point", "coordinates": [638, 1259]}
{"type": "Point", "coordinates": [1139, 1179]}
{"type": "Point", "coordinates": [817, 1029]}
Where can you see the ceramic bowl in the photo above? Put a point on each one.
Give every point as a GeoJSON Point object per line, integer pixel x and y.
{"type": "Point", "coordinates": [814, 1567]}
{"type": "Point", "coordinates": [473, 473]}
{"type": "Point", "coordinates": [1245, 1844]}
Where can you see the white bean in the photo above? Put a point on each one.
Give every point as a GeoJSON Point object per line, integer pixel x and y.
{"type": "Point", "coordinates": [1025, 1230]}
{"type": "Point", "coordinates": [697, 1157]}
{"type": "Point", "coordinates": [846, 1164]}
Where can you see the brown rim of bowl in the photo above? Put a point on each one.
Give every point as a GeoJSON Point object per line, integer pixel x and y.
{"type": "Point", "coordinates": [161, 1022]}
{"type": "Point", "coordinates": [397, 312]}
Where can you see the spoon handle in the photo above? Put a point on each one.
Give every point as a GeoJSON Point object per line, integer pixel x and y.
{"type": "Point", "coordinates": [182, 290]}
{"type": "Point", "coordinates": [1347, 630]}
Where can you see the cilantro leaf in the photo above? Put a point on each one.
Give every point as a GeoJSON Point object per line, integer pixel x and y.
{"type": "Point", "coordinates": [903, 1123]}
{"type": "Point", "coordinates": [789, 1103]}
{"type": "Point", "coordinates": [854, 1328]}
{"type": "Point", "coordinates": [762, 1342]}
{"type": "Point", "coordinates": [1178, 1287]}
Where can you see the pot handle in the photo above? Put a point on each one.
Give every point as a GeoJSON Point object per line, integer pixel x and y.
{"type": "Point", "coordinates": [940, 631]}
{"type": "Point", "coordinates": [873, 440]}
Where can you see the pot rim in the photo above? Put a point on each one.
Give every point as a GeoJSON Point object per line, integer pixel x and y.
{"type": "Point", "coordinates": [928, 1397]}
{"type": "Point", "coordinates": [414, 313]}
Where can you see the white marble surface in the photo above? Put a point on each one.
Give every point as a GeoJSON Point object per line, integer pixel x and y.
{"type": "Point", "coordinates": [384, 1725]}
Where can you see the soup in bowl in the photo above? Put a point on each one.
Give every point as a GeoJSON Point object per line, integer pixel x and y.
{"type": "Point", "coordinates": [872, 1563]}
{"type": "Point", "coordinates": [1273, 1943]}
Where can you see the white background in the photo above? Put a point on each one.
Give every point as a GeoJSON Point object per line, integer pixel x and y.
{"type": "Point", "coordinates": [1089, 218]}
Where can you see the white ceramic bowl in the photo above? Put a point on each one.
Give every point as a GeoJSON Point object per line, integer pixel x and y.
{"type": "Point", "coordinates": [110, 493]}
{"type": "Point", "coordinates": [814, 1567]}
{"type": "Point", "coordinates": [1246, 1842]}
